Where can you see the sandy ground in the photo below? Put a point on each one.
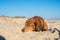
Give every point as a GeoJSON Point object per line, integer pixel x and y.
{"type": "Point", "coordinates": [10, 29]}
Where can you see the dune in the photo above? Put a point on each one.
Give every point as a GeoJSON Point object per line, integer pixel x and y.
{"type": "Point", "coordinates": [10, 29]}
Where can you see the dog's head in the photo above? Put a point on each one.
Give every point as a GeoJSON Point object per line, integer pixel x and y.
{"type": "Point", "coordinates": [29, 25]}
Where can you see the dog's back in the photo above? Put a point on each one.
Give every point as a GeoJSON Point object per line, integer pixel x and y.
{"type": "Point", "coordinates": [40, 23]}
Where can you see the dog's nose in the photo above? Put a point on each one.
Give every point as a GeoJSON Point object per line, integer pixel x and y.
{"type": "Point", "coordinates": [22, 30]}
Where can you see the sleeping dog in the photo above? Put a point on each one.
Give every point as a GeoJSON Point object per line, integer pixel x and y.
{"type": "Point", "coordinates": [35, 23]}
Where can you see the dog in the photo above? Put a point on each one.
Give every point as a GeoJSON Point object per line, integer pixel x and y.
{"type": "Point", "coordinates": [35, 23]}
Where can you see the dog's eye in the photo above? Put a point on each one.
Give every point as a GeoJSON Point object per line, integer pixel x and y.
{"type": "Point", "coordinates": [28, 25]}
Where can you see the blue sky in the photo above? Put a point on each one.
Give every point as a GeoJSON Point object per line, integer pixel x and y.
{"type": "Point", "coordinates": [48, 9]}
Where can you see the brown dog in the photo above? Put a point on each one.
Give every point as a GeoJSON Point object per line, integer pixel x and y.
{"type": "Point", "coordinates": [35, 24]}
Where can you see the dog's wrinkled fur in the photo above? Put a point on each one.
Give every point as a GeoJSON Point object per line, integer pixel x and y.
{"type": "Point", "coordinates": [35, 24]}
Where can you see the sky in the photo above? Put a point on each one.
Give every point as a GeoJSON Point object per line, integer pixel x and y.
{"type": "Point", "coordinates": [48, 9]}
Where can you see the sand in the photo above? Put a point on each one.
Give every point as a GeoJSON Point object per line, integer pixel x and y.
{"type": "Point", "coordinates": [10, 29]}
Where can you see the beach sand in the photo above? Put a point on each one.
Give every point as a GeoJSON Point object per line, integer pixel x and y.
{"type": "Point", "coordinates": [10, 29]}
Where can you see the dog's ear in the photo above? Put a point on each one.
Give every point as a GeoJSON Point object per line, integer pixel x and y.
{"type": "Point", "coordinates": [37, 26]}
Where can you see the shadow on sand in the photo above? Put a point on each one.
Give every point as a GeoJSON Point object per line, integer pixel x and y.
{"type": "Point", "coordinates": [1, 37]}
{"type": "Point", "coordinates": [55, 29]}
